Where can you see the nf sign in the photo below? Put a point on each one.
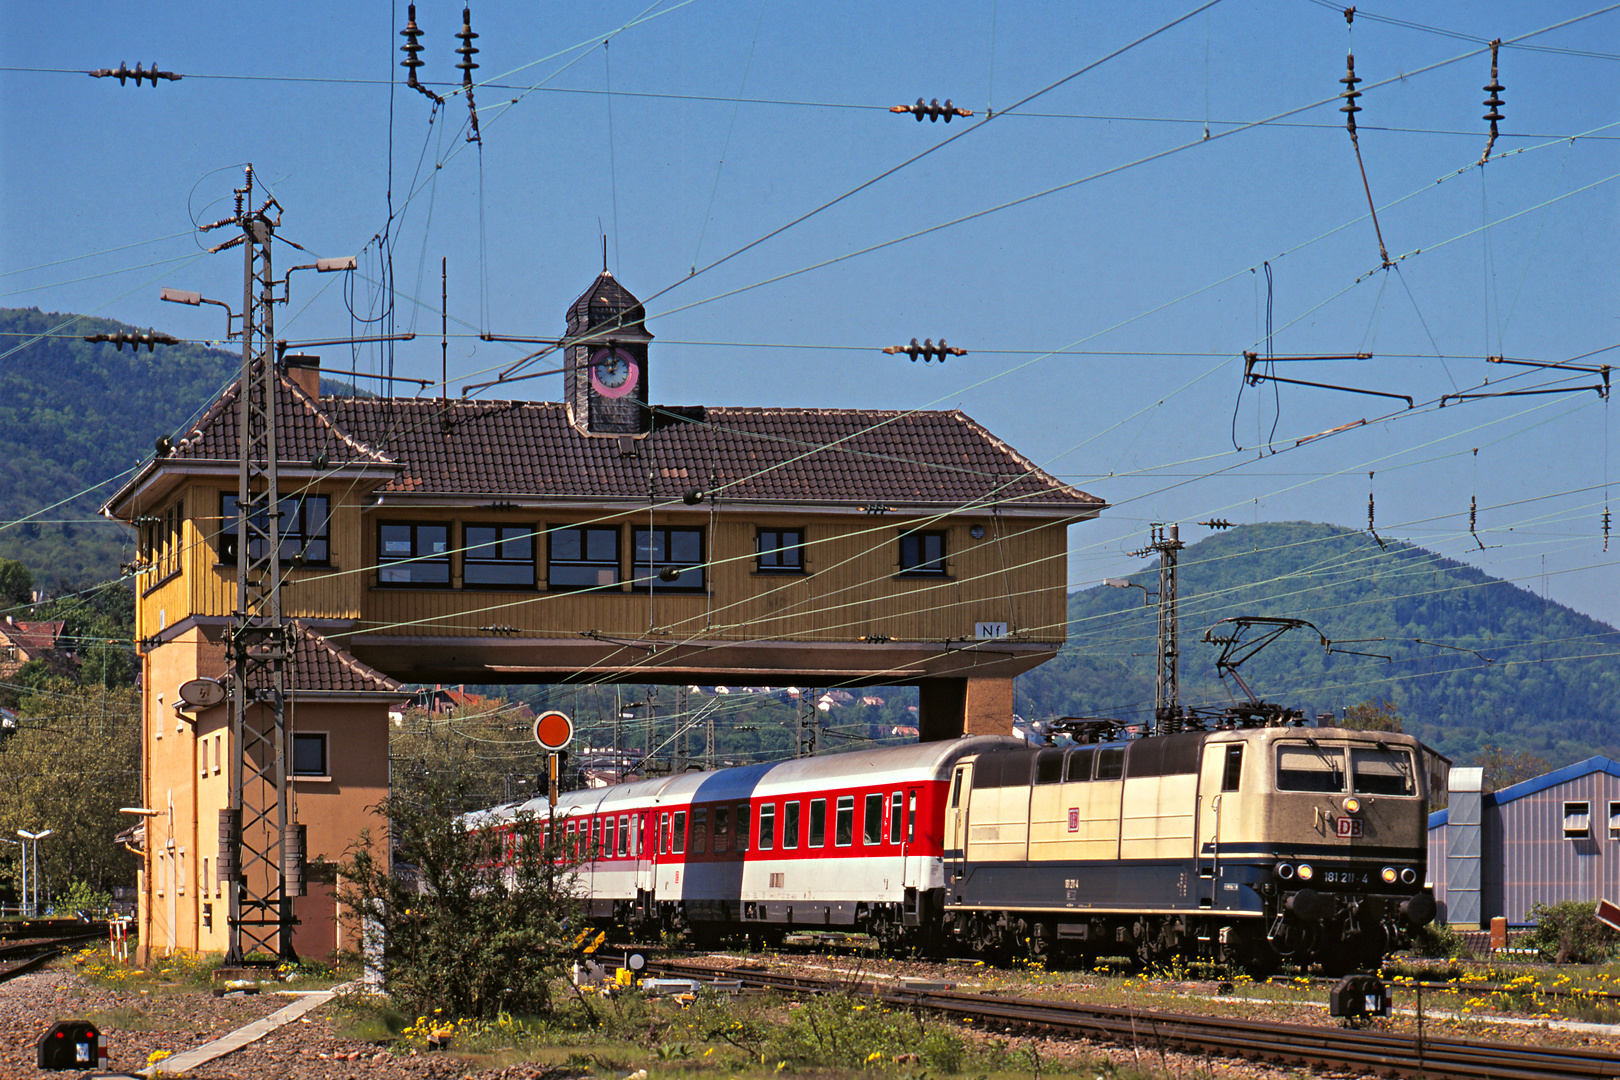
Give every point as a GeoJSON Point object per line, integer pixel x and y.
{"type": "Point", "coordinates": [553, 730]}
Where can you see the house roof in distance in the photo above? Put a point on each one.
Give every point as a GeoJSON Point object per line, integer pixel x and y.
{"type": "Point", "coordinates": [853, 458]}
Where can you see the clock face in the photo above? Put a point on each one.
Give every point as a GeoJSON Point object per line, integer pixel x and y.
{"type": "Point", "coordinates": [614, 372]}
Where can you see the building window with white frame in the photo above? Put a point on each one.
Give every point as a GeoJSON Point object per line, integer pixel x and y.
{"type": "Point", "coordinates": [309, 754]}
{"type": "Point", "coordinates": [1577, 820]}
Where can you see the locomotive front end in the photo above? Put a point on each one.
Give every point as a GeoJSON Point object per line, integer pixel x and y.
{"type": "Point", "coordinates": [1344, 819]}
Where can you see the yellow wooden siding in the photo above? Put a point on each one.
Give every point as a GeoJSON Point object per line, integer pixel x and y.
{"type": "Point", "coordinates": [851, 588]}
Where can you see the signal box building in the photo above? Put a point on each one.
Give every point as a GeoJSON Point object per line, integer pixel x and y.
{"type": "Point", "coordinates": [599, 538]}
{"type": "Point", "coordinates": [1496, 854]}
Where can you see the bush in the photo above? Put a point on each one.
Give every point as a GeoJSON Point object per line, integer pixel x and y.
{"type": "Point", "coordinates": [1439, 942]}
{"type": "Point", "coordinates": [473, 924]}
{"type": "Point", "coordinates": [1570, 933]}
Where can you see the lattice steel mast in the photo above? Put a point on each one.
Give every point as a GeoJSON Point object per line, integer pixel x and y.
{"type": "Point", "coordinates": [260, 845]}
{"type": "Point", "coordinates": [1166, 689]}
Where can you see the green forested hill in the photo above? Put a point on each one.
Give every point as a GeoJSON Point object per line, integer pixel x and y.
{"type": "Point", "coordinates": [73, 418]}
{"type": "Point", "coordinates": [1473, 659]}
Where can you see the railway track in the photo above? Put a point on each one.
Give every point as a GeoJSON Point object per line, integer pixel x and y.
{"type": "Point", "coordinates": [19, 956]}
{"type": "Point", "coordinates": [1376, 1052]}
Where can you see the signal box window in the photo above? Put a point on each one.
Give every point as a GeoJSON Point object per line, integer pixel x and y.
{"type": "Point", "coordinates": [679, 835]}
{"type": "Point", "coordinates": [304, 530]}
{"type": "Point", "coordinates": [1577, 820]}
{"type": "Point", "coordinates": [1303, 767]}
{"type": "Point", "coordinates": [1111, 763]}
{"type": "Point", "coordinates": [1079, 767]}
{"type": "Point", "coordinates": [922, 553]}
{"type": "Point", "coordinates": [1380, 770]}
{"type": "Point", "coordinates": [499, 556]}
{"type": "Point", "coordinates": [767, 827]}
{"type": "Point", "coordinates": [896, 805]}
{"type": "Point", "coordinates": [790, 825]}
{"type": "Point", "coordinates": [582, 558]}
{"type": "Point", "coordinates": [410, 554]}
{"type": "Point", "coordinates": [677, 552]}
{"type": "Point", "coordinates": [844, 827]}
{"type": "Point", "coordinates": [722, 830]}
{"type": "Point", "coordinates": [818, 823]}
{"type": "Point", "coordinates": [742, 827]}
{"type": "Point", "coordinates": [1232, 774]}
{"type": "Point", "coordinates": [309, 755]}
{"type": "Point", "coordinates": [781, 551]}
{"type": "Point", "coordinates": [872, 821]}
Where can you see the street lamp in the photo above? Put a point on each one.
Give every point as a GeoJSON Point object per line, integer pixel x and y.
{"type": "Point", "coordinates": [33, 905]}
{"type": "Point", "coordinates": [1121, 583]}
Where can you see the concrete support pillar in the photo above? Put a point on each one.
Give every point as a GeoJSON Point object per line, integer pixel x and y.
{"type": "Point", "coordinates": [951, 708]}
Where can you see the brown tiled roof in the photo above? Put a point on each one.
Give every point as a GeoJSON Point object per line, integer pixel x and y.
{"type": "Point", "coordinates": [833, 456]}
{"type": "Point", "coordinates": [317, 665]}
{"type": "Point", "coordinates": [33, 637]}
{"type": "Point", "coordinates": [303, 433]}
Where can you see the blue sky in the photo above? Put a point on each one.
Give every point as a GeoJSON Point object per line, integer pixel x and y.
{"type": "Point", "coordinates": [1106, 313]}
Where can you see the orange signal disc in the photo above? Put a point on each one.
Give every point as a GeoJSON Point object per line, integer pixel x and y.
{"type": "Point", "coordinates": [553, 730]}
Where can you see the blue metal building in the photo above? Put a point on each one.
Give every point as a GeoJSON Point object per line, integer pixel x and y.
{"type": "Point", "coordinates": [1552, 838]}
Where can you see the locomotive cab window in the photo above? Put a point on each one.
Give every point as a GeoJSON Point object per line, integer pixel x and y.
{"type": "Point", "coordinates": [790, 824]}
{"type": "Point", "coordinates": [1308, 767]}
{"type": "Point", "coordinates": [1111, 763]}
{"type": "Point", "coordinates": [956, 789]}
{"type": "Point", "coordinates": [767, 827]}
{"type": "Point", "coordinates": [1080, 764]}
{"type": "Point", "coordinates": [1232, 774]}
{"type": "Point", "coordinates": [1381, 770]}
{"type": "Point", "coordinates": [818, 823]}
{"type": "Point", "coordinates": [872, 820]}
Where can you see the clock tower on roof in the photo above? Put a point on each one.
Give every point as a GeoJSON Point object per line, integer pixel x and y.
{"type": "Point", "coordinates": [605, 370]}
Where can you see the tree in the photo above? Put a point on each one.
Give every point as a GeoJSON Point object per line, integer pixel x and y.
{"type": "Point", "coordinates": [16, 583]}
{"type": "Point", "coordinates": [475, 922]}
{"type": "Point", "coordinates": [72, 762]}
{"type": "Point", "coordinates": [1372, 715]}
{"type": "Point", "coordinates": [1504, 768]}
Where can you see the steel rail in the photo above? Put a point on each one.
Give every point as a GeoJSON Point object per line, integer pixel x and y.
{"type": "Point", "coordinates": [1286, 1044]}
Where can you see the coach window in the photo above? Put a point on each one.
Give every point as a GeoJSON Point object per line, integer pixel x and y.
{"type": "Point", "coordinates": [663, 834]}
{"type": "Point", "coordinates": [767, 826]}
{"type": "Point", "coordinates": [844, 826]}
{"type": "Point", "coordinates": [1080, 764]}
{"type": "Point", "coordinates": [872, 822]}
{"type": "Point", "coordinates": [1308, 767]}
{"type": "Point", "coordinates": [624, 834]}
{"type": "Point", "coordinates": [742, 827]}
{"type": "Point", "coordinates": [911, 820]}
{"type": "Point", "coordinates": [722, 830]}
{"type": "Point", "coordinates": [818, 823]}
{"type": "Point", "coordinates": [678, 835]}
{"type": "Point", "coordinates": [790, 824]}
{"type": "Point", "coordinates": [1233, 773]}
{"type": "Point", "coordinates": [607, 837]}
{"type": "Point", "coordinates": [1111, 763]}
{"type": "Point", "coordinates": [896, 816]}
{"type": "Point", "coordinates": [596, 838]}
{"type": "Point", "coordinates": [700, 831]}
{"type": "Point", "coordinates": [568, 843]}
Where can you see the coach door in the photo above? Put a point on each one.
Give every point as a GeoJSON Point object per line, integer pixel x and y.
{"type": "Point", "coordinates": [646, 841]}
{"type": "Point", "coordinates": [956, 828]}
